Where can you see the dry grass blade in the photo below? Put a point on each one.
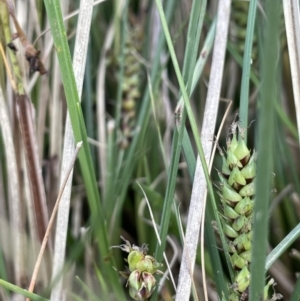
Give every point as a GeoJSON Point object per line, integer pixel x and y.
{"type": "Point", "coordinates": [101, 106]}
{"type": "Point", "coordinates": [207, 134]}
{"type": "Point", "coordinates": [47, 234]}
{"type": "Point", "coordinates": [14, 192]}
{"type": "Point", "coordinates": [33, 166]}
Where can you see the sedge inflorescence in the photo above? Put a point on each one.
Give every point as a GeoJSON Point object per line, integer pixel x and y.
{"type": "Point", "coordinates": [131, 82]}
{"type": "Point", "coordinates": [237, 191]}
{"type": "Point", "coordinates": [141, 270]}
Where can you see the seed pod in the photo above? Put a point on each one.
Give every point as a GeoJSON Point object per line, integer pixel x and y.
{"type": "Point", "coordinates": [236, 178]}
{"type": "Point", "coordinates": [239, 223]}
{"type": "Point", "coordinates": [242, 152]}
{"type": "Point", "coordinates": [229, 231]}
{"type": "Point", "coordinates": [237, 261]}
{"type": "Point", "coordinates": [134, 258]}
{"type": "Point", "coordinates": [242, 280]}
{"type": "Point", "coordinates": [249, 171]}
{"type": "Point", "coordinates": [149, 283]}
{"type": "Point", "coordinates": [246, 255]}
{"type": "Point", "coordinates": [245, 206]}
{"type": "Point", "coordinates": [230, 212]}
{"type": "Point", "coordinates": [248, 190]}
{"type": "Point", "coordinates": [230, 194]}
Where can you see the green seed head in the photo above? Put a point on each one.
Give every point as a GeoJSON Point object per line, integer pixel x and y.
{"type": "Point", "coordinates": [237, 191]}
{"type": "Point", "coordinates": [140, 271]}
{"type": "Point", "coordinates": [141, 285]}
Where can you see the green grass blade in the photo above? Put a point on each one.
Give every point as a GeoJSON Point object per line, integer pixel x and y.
{"type": "Point", "coordinates": [169, 196]}
{"type": "Point", "coordinates": [296, 292]}
{"type": "Point", "coordinates": [193, 37]}
{"type": "Point", "coordinates": [255, 80]}
{"type": "Point", "coordinates": [217, 269]}
{"type": "Point", "coordinates": [91, 295]}
{"type": "Point", "coordinates": [109, 206]}
{"type": "Point", "coordinates": [205, 51]}
{"type": "Point", "coordinates": [264, 163]}
{"type": "Point", "coordinates": [244, 99]}
{"type": "Point", "coordinates": [282, 246]}
{"type": "Point", "coordinates": [20, 291]}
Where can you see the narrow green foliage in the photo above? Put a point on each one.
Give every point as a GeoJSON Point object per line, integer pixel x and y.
{"type": "Point", "coordinates": [265, 146]}
{"type": "Point", "coordinates": [21, 291]}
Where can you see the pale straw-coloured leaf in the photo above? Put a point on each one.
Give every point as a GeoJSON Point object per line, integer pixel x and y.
{"type": "Point", "coordinates": [292, 25]}
{"type": "Point", "coordinates": [199, 190]}
{"type": "Point", "coordinates": [14, 200]}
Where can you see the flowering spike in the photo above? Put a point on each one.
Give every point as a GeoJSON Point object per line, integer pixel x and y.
{"type": "Point", "coordinates": [237, 186]}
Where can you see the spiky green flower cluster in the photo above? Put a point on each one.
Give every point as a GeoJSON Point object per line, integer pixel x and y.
{"type": "Point", "coordinates": [141, 270]}
{"type": "Point", "coordinates": [237, 196]}
{"type": "Point", "coordinates": [131, 82]}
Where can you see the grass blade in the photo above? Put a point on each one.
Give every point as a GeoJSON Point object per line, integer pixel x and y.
{"type": "Point", "coordinates": [282, 246]}
{"type": "Point", "coordinates": [20, 291]}
{"type": "Point", "coordinates": [244, 99]}
{"type": "Point", "coordinates": [264, 163]}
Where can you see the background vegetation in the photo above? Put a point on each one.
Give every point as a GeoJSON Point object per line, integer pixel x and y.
{"type": "Point", "coordinates": [144, 87]}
